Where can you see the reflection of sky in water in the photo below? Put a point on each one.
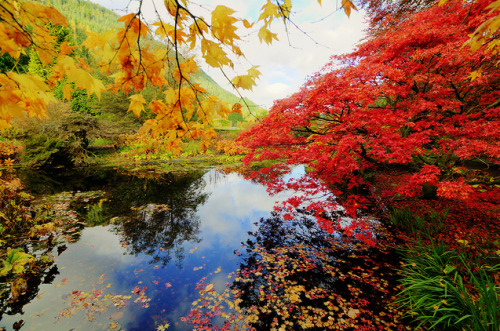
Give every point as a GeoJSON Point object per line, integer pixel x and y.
{"type": "Point", "coordinates": [232, 207]}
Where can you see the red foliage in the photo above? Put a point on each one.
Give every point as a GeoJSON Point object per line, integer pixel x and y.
{"type": "Point", "coordinates": [404, 97]}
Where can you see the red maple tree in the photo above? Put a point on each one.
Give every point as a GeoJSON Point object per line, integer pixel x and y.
{"type": "Point", "coordinates": [410, 96]}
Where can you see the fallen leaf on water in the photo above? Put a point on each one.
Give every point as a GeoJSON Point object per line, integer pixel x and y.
{"type": "Point", "coordinates": [193, 250]}
{"type": "Point", "coordinates": [163, 327]}
{"type": "Point", "coordinates": [353, 313]}
{"type": "Point", "coordinates": [113, 325]}
{"type": "Point", "coordinates": [217, 271]}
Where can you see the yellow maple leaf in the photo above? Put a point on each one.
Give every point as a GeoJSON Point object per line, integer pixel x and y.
{"type": "Point", "coordinates": [136, 104]}
{"type": "Point", "coordinates": [253, 72]}
{"type": "Point", "coordinates": [84, 80]}
{"type": "Point", "coordinates": [269, 10]}
{"type": "Point", "coordinates": [171, 6]}
{"type": "Point", "coordinates": [45, 55]}
{"type": "Point", "coordinates": [127, 18]}
{"type": "Point", "coordinates": [157, 106]}
{"type": "Point", "coordinates": [171, 96]}
{"type": "Point", "coordinates": [223, 24]}
{"type": "Point", "coordinates": [162, 29]}
{"type": "Point", "coordinates": [67, 90]}
{"type": "Point", "coordinates": [475, 74]}
{"type": "Point", "coordinates": [267, 36]}
{"type": "Point", "coordinates": [54, 16]}
{"type": "Point", "coordinates": [213, 54]}
{"type": "Point", "coordinates": [347, 5]}
{"type": "Point", "coordinates": [244, 81]}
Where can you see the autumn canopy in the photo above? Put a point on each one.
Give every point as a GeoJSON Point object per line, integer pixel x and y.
{"type": "Point", "coordinates": [411, 96]}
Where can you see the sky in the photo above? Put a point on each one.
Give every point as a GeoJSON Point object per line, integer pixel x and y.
{"type": "Point", "coordinates": [325, 30]}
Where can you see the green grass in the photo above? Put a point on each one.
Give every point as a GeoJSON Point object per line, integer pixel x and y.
{"type": "Point", "coordinates": [445, 291]}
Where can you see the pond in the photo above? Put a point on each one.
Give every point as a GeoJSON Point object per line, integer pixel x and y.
{"type": "Point", "coordinates": [193, 250]}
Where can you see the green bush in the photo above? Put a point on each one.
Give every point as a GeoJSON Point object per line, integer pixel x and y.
{"type": "Point", "coordinates": [60, 140]}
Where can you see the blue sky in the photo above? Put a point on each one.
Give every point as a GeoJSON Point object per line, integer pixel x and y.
{"type": "Point", "coordinates": [286, 64]}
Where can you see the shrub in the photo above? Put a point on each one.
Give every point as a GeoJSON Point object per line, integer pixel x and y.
{"type": "Point", "coordinates": [60, 140]}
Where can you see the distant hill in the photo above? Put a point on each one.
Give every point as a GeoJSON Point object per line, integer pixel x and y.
{"type": "Point", "coordinates": [87, 15]}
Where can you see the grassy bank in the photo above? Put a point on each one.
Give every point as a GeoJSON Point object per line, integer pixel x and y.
{"type": "Point", "coordinates": [450, 276]}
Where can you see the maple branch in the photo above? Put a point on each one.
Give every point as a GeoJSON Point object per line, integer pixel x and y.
{"type": "Point", "coordinates": [194, 17]}
{"type": "Point", "coordinates": [181, 76]}
{"type": "Point", "coordinates": [364, 155]}
{"type": "Point", "coordinates": [307, 129]}
{"type": "Point", "coordinates": [18, 26]}
{"type": "Point", "coordinates": [139, 44]}
{"type": "Point", "coordinates": [308, 36]}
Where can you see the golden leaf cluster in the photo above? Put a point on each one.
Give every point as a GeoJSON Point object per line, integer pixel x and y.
{"type": "Point", "coordinates": [181, 108]}
{"type": "Point", "coordinates": [25, 25]}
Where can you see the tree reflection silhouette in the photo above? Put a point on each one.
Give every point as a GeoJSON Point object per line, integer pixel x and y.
{"type": "Point", "coordinates": [147, 230]}
{"type": "Point", "coordinates": [160, 227]}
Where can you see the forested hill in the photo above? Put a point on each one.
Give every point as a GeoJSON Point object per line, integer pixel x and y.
{"type": "Point", "coordinates": [86, 15]}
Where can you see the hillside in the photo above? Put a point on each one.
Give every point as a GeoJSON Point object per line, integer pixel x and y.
{"type": "Point", "coordinates": [86, 15]}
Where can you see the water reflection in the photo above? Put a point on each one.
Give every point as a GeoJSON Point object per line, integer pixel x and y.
{"type": "Point", "coordinates": [296, 276]}
{"type": "Point", "coordinates": [197, 220]}
{"type": "Point", "coordinates": [168, 232]}
{"type": "Point", "coordinates": [160, 230]}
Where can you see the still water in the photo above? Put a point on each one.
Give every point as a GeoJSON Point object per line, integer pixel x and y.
{"type": "Point", "coordinates": [155, 238]}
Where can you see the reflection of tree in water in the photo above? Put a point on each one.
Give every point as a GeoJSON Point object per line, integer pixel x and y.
{"type": "Point", "coordinates": [161, 226]}
{"type": "Point", "coordinates": [138, 194]}
{"type": "Point", "coordinates": [150, 230]}
{"type": "Point", "coordinates": [295, 276]}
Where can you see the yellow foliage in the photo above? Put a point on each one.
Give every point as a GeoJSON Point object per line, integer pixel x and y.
{"type": "Point", "coordinates": [183, 111]}
{"type": "Point", "coordinates": [136, 104]}
{"type": "Point", "coordinates": [213, 54]}
{"type": "Point", "coordinates": [223, 24]}
{"type": "Point", "coordinates": [230, 147]}
{"type": "Point", "coordinates": [348, 5]}
{"type": "Point", "coordinates": [267, 36]}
